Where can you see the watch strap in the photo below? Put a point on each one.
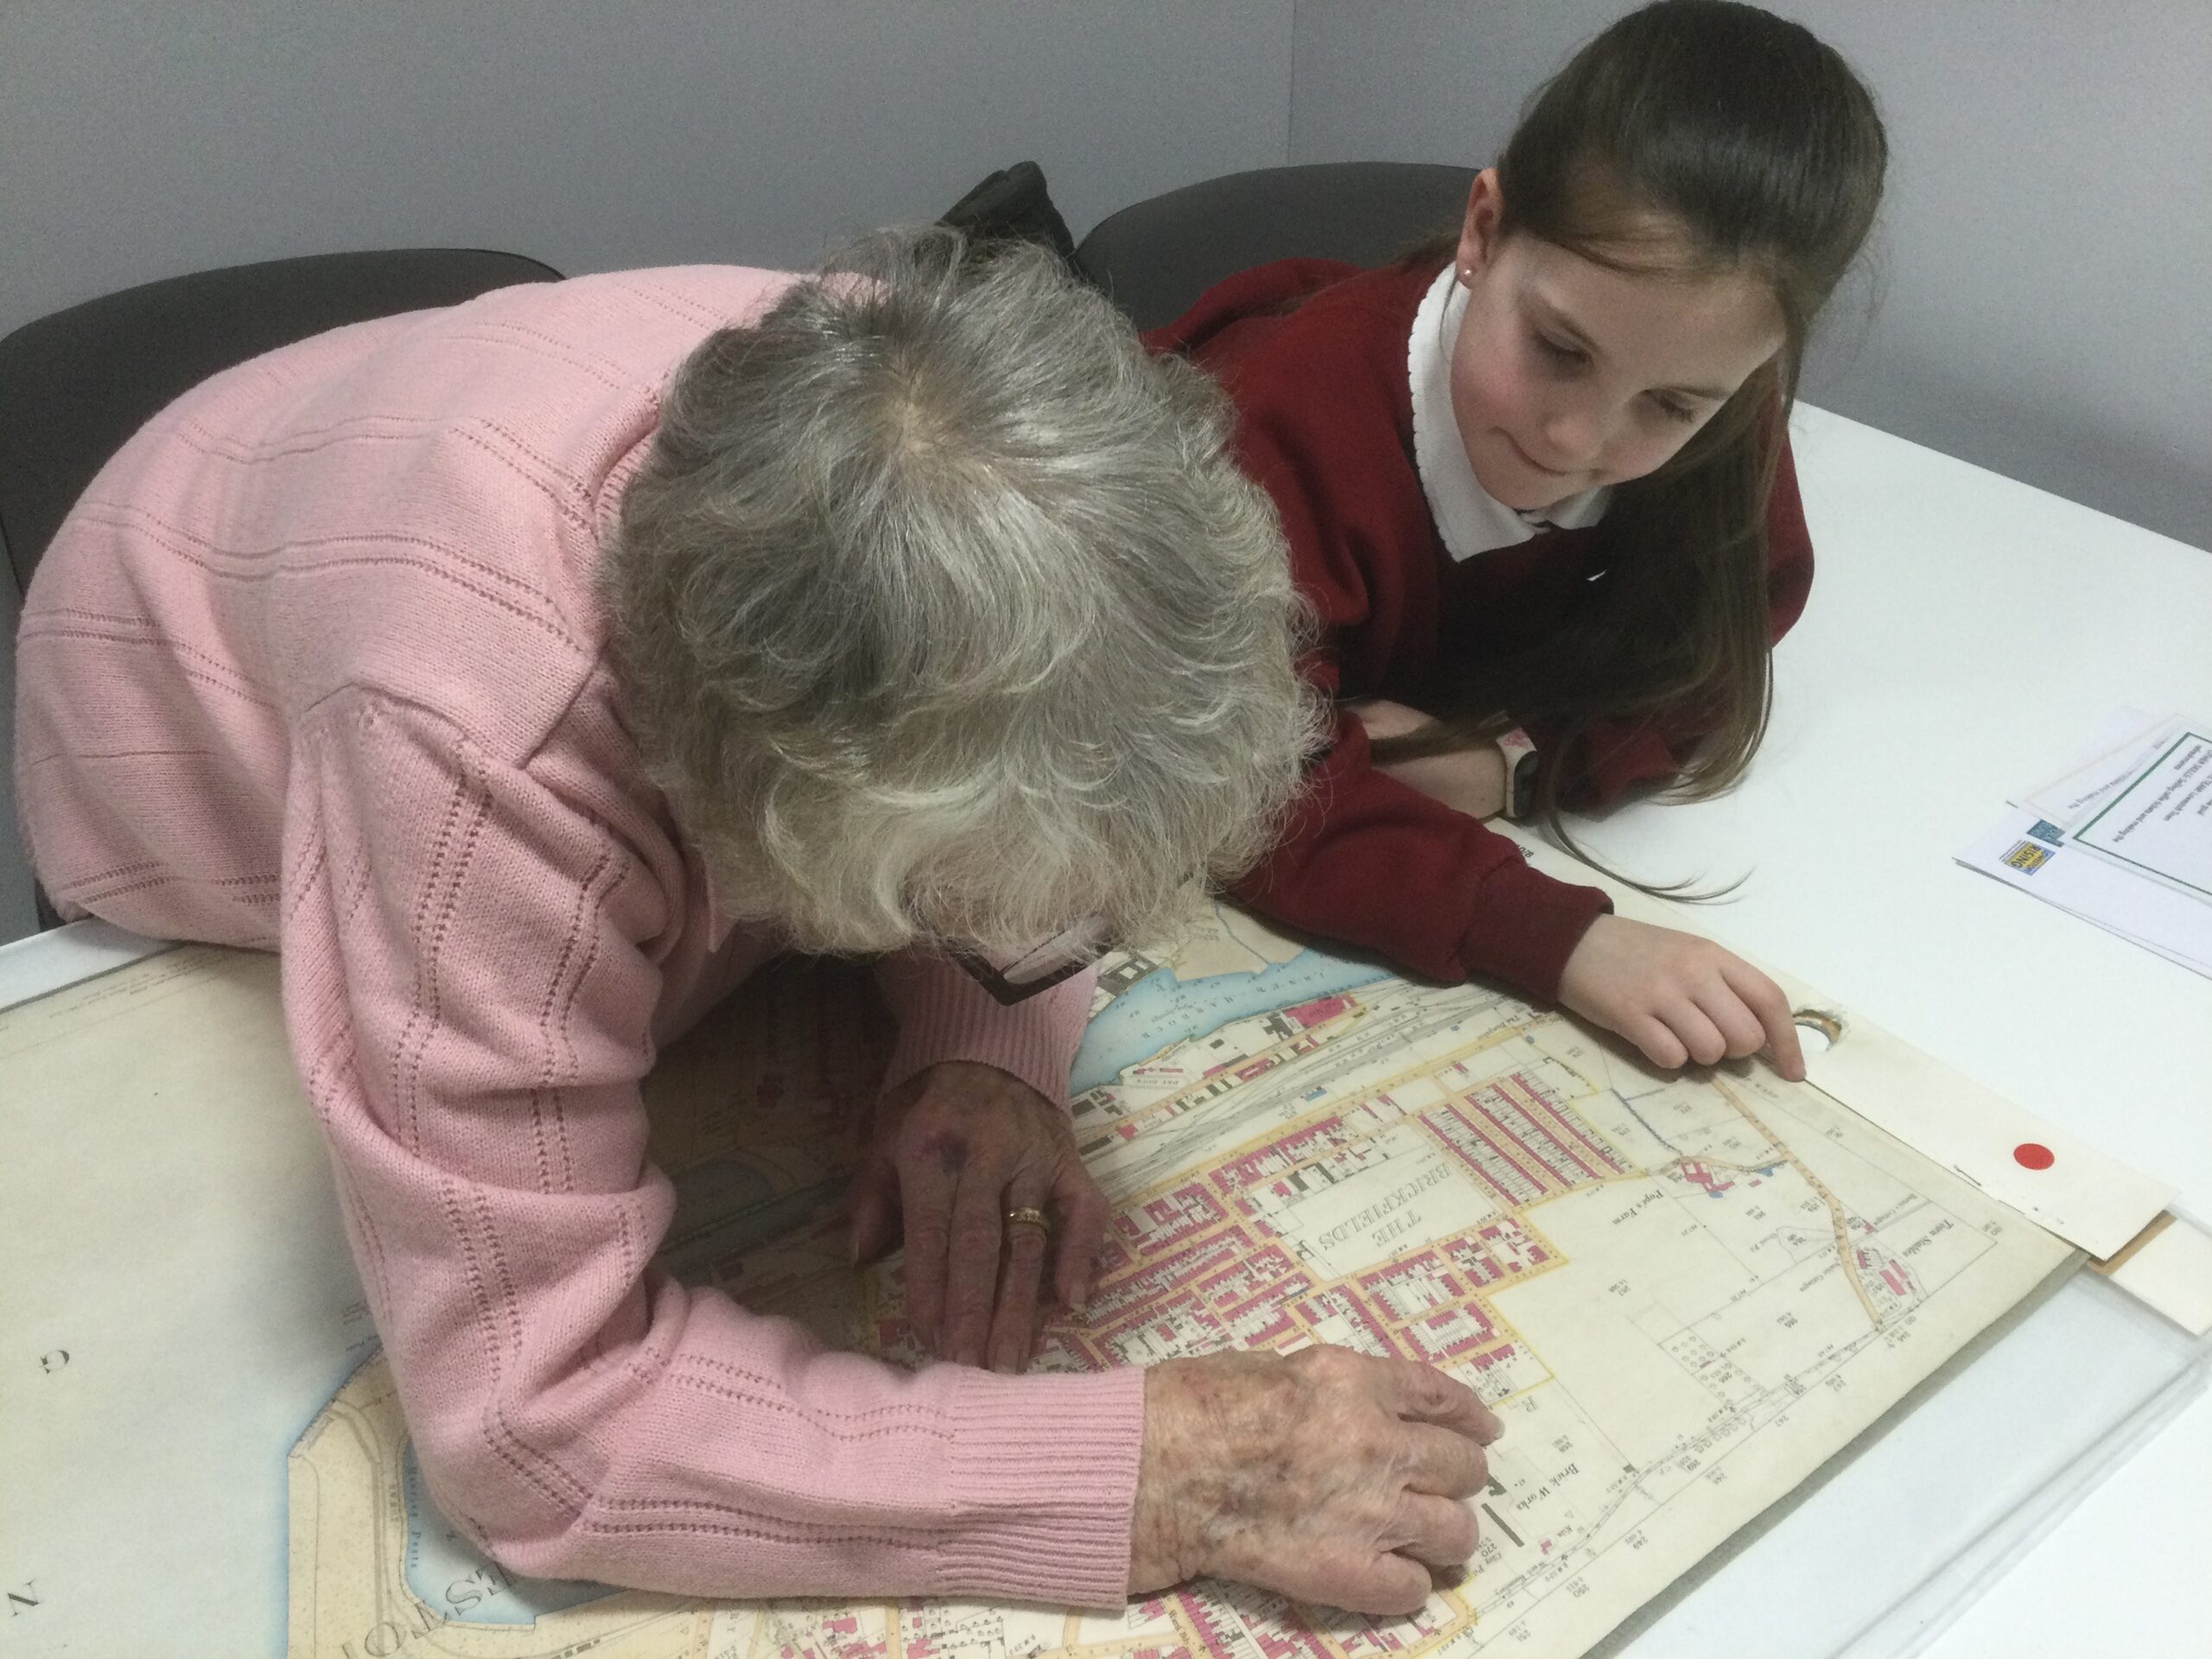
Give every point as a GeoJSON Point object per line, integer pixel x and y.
{"type": "Point", "coordinates": [1519, 750]}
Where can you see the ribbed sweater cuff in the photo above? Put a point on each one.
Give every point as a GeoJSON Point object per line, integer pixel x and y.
{"type": "Point", "coordinates": [1526, 927]}
{"type": "Point", "coordinates": [1044, 1478]}
{"type": "Point", "coordinates": [944, 1015]}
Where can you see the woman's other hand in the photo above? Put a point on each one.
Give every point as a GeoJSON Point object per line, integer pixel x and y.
{"type": "Point", "coordinates": [1467, 780]}
{"type": "Point", "coordinates": [953, 1150]}
{"type": "Point", "coordinates": [1678, 997]}
{"type": "Point", "coordinates": [1323, 1475]}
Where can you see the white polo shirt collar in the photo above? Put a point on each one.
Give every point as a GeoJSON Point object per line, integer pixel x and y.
{"type": "Point", "coordinates": [1469, 519]}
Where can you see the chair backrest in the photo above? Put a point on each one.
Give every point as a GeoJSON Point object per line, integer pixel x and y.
{"type": "Point", "coordinates": [1156, 257]}
{"type": "Point", "coordinates": [75, 384]}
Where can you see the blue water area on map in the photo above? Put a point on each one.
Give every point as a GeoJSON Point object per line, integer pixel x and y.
{"type": "Point", "coordinates": [1160, 1008]}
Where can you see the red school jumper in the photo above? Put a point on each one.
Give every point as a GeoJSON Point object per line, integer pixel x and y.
{"type": "Point", "coordinates": [1315, 355]}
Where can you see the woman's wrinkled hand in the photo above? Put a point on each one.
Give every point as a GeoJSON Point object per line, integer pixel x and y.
{"type": "Point", "coordinates": [1471, 780]}
{"type": "Point", "coordinates": [951, 1150]}
{"type": "Point", "coordinates": [1324, 1475]}
{"type": "Point", "coordinates": [1679, 998]}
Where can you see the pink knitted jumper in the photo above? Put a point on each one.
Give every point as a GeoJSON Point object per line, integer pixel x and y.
{"type": "Point", "coordinates": [317, 665]}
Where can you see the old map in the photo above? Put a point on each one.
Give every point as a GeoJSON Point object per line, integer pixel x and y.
{"type": "Point", "coordinates": [1683, 1295]}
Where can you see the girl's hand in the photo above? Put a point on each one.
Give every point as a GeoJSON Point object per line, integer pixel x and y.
{"type": "Point", "coordinates": [953, 1149]}
{"type": "Point", "coordinates": [1678, 997]}
{"type": "Point", "coordinates": [1326, 1476]}
{"type": "Point", "coordinates": [1467, 780]}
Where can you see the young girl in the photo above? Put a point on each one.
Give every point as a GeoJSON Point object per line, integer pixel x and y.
{"type": "Point", "coordinates": [1536, 481]}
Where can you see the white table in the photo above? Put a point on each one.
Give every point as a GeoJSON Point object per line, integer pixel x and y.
{"type": "Point", "coordinates": [1965, 632]}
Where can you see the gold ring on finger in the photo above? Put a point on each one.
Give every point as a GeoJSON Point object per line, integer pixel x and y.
{"type": "Point", "coordinates": [1028, 1216]}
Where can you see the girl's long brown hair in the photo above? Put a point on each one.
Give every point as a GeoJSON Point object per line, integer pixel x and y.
{"type": "Point", "coordinates": [1692, 137]}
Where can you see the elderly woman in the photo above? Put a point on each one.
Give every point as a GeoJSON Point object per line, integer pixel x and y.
{"type": "Point", "coordinates": [526, 673]}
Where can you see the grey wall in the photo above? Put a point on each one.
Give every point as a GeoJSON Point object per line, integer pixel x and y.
{"type": "Point", "coordinates": [143, 139]}
{"type": "Point", "coordinates": [2044, 262]}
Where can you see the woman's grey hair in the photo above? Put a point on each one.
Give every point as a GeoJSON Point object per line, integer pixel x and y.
{"type": "Point", "coordinates": [943, 614]}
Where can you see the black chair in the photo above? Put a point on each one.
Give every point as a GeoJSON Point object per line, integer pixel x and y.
{"type": "Point", "coordinates": [75, 386]}
{"type": "Point", "coordinates": [1156, 257]}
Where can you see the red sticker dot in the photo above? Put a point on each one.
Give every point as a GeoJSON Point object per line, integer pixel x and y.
{"type": "Point", "coordinates": [2031, 1155]}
